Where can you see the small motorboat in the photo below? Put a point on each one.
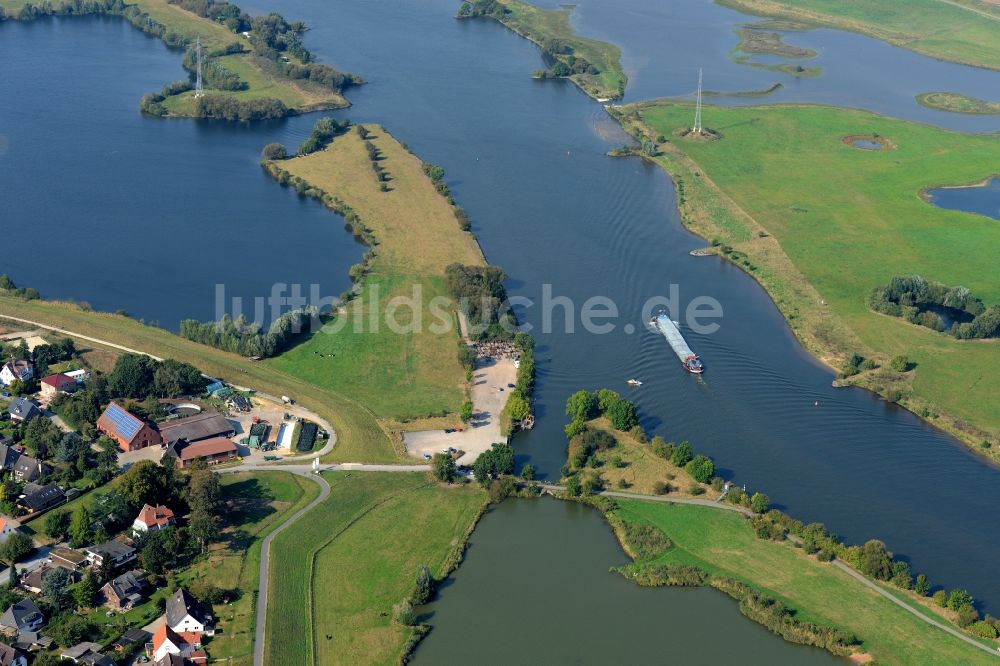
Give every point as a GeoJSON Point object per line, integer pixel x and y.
{"type": "Point", "coordinates": [634, 382]}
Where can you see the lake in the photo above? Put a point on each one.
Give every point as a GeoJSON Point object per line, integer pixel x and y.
{"type": "Point", "coordinates": [534, 588]}
{"type": "Point", "coordinates": [983, 199]}
{"type": "Point", "coordinates": [149, 215]}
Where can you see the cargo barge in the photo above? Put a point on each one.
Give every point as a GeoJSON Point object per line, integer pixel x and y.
{"type": "Point", "coordinates": [669, 330]}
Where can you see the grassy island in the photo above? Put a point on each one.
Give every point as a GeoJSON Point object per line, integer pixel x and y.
{"type": "Point", "coordinates": [414, 235]}
{"type": "Point", "coordinates": [593, 65]}
{"type": "Point", "coordinates": [963, 31]}
{"type": "Point", "coordinates": [342, 573]}
{"type": "Point", "coordinates": [769, 43]}
{"type": "Point", "coordinates": [253, 67]}
{"type": "Point", "coordinates": [958, 103]}
{"type": "Point", "coordinates": [820, 223]}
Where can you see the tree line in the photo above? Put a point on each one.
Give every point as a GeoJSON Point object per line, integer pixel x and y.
{"type": "Point", "coordinates": [324, 131]}
{"type": "Point", "coordinates": [249, 339]}
{"type": "Point", "coordinates": [8, 288]}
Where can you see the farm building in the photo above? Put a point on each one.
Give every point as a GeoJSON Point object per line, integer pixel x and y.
{"type": "Point", "coordinates": [196, 428]}
{"type": "Point", "coordinates": [212, 451]}
{"type": "Point", "coordinates": [128, 430]}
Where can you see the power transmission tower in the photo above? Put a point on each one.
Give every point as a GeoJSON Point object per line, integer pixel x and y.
{"type": "Point", "coordinates": [199, 88]}
{"type": "Point", "coordinates": [697, 108]}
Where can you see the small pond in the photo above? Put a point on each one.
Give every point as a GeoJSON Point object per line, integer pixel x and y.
{"type": "Point", "coordinates": [983, 199]}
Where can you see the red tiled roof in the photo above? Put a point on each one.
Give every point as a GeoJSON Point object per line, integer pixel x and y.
{"type": "Point", "coordinates": [208, 447]}
{"type": "Point", "coordinates": [57, 380]}
{"type": "Point", "coordinates": [155, 515]}
{"type": "Point", "coordinates": [163, 634]}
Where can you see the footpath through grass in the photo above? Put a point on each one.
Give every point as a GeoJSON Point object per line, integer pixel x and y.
{"type": "Point", "coordinates": [400, 375]}
{"type": "Point", "coordinates": [360, 438]}
{"type": "Point", "coordinates": [257, 504]}
{"type": "Point", "coordinates": [848, 220]}
{"type": "Point", "coordinates": [356, 556]}
{"type": "Point", "coordinates": [724, 544]}
{"type": "Point", "coordinates": [965, 31]}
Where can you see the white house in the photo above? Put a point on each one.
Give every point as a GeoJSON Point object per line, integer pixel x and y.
{"type": "Point", "coordinates": [14, 370]}
{"type": "Point", "coordinates": [7, 527]}
{"type": "Point", "coordinates": [183, 614]}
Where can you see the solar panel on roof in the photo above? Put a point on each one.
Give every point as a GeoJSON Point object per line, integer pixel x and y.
{"type": "Point", "coordinates": [126, 424]}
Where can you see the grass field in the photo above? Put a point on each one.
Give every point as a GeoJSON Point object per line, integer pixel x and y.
{"type": "Point", "coordinates": [965, 31]}
{"type": "Point", "coordinates": [723, 544]}
{"type": "Point", "coordinates": [642, 469]}
{"type": "Point", "coordinates": [958, 103]}
{"type": "Point", "coordinates": [296, 95]}
{"type": "Point", "coordinates": [543, 25]}
{"type": "Point", "coordinates": [840, 221]}
{"type": "Point", "coordinates": [399, 376]}
{"type": "Point", "coordinates": [360, 438]}
{"type": "Point", "coordinates": [356, 556]}
{"type": "Point", "coordinates": [257, 503]}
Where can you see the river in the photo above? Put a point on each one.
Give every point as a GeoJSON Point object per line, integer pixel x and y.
{"type": "Point", "coordinates": [527, 160]}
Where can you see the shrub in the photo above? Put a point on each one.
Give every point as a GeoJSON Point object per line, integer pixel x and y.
{"type": "Point", "coordinates": [941, 598]}
{"type": "Point", "coordinates": [701, 468]}
{"type": "Point", "coordinates": [759, 502]}
{"type": "Point", "coordinates": [645, 540]}
{"type": "Point", "coordinates": [274, 151]}
{"type": "Point", "coordinates": [659, 575]}
{"type": "Point", "coordinates": [900, 363]}
{"type": "Point", "coordinates": [984, 629]}
{"type": "Point", "coordinates": [682, 455]}
{"type": "Point", "coordinates": [661, 488]}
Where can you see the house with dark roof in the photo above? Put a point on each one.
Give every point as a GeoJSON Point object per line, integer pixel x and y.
{"type": "Point", "coordinates": [212, 451]}
{"type": "Point", "coordinates": [132, 637]}
{"type": "Point", "coordinates": [125, 591]}
{"type": "Point", "coordinates": [23, 410]}
{"type": "Point", "coordinates": [116, 552]}
{"type": "Point", "coordinates": [15, 370]}
{"type": "Point", "coordinates": [67, 558]}
{"type": "Point", "coordinates": [129, 431]}
{"type": "Point", "coordinates": [8, 455]}
{"type": "Point", "coordinates": [153, 518]}
{"type": "Point", "coordinates": [10, 656]}
{"type": "Point", "coordinates": [196, 428]}
{"type": "Point", "coordinates": [171, 660]}
{"type": "Point", "coordinates": [53, 385]}
{"type": "Point", "coordinates": [184, 615]}
{"type": "Point", "coordinates": [40, 498]}
{"type": "Point", "coordinates": [22, 616]}
{"type": "Point", "coordinates": [87, 653]}
{"type": "Point", "coordinates": [27, 469]}
{"type": "Point", "coordinates": [32, 581]}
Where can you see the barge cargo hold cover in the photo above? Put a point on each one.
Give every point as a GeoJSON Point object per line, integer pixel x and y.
{"type": "Point", "coordinates": [669, 330]}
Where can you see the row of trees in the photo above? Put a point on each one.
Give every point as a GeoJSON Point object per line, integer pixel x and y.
{"type": "Point", "coordinates": [249, 339]}
{"type": "Point", "coordinates": [222, 107]}
{"type": "Point", "coordinates": [8, 288]}
{"type": "Point", "coordinates": [324, 131]}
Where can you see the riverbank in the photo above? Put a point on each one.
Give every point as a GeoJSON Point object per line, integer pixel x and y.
{"type": "Point", "coordinates": [963, 31]}
{"type": "Point", "coordinates": [723, 545]}
{"type": "Point", "coordinates": [244, 80]}
{"type": "Point", "coordinates": [355, 559]}
{"type": "Point", "coordinates": [360, 437]}
{"type": "Point", "coordinates": [780, 195]}
{"type": "Point", "coordinates": [958, 103]}
{"type": "Point", "coordinates": [593, 65]}
{"type": "Point", "coordinates": [400, 361]}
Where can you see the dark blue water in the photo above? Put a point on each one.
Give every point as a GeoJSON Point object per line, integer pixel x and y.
{"type": "Point", "coordinates": [979, 199]}
{"type": "Point", "coordinates": [137, 213]}
{"type": "Point", "coordinates": [527, 160]}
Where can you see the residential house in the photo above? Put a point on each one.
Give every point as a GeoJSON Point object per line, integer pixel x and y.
{"type": "Point", "coordinates": [132, 638]}
{"type": "Point", "coordinates": [23, 410]}
{"type": "Point", "coordinates": [22, 616]}
{"type": "Point", "coordinates": [33, 580]}
{"type": "Point", "coordinates": [129, 431]}
{"type": "Point", "coordinates": [53, 385]}
{"type": "Point", "coordinates": [153, 518]}
{"type": "Point", "coordinates": [170, 660]}
{"type": "Point", "coordinates": [37, 498]}
{"type": "Point", "coordinates": [167, 641]}
{"type": "Point", "coordinates": [196, 428]}
{"type": "Point", "coordinates": [116, 552]}
{"type": "Point", "coordinates": [67, 558]}
{"type": "Point", "coordinates": [212, 451]}
{"type": "Point", "coordinates": [30, 641]}
{"type": "Point", "coordinates": [11, 656]}
{"type": "Point", "coordinates": [8, 526]}
{"type": "Point", "coordinates": [125, 591]}
{"type": "Point", "coordinates": [87, 653]}
{"type": "Point", "coordinates": [16, 370]}
{"type": "Point", "coordinates": [184, 615]}
{"type": "Point", "coordinates": [27, 469]}
{"type": "Point", "coordinates": [8, 455]}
